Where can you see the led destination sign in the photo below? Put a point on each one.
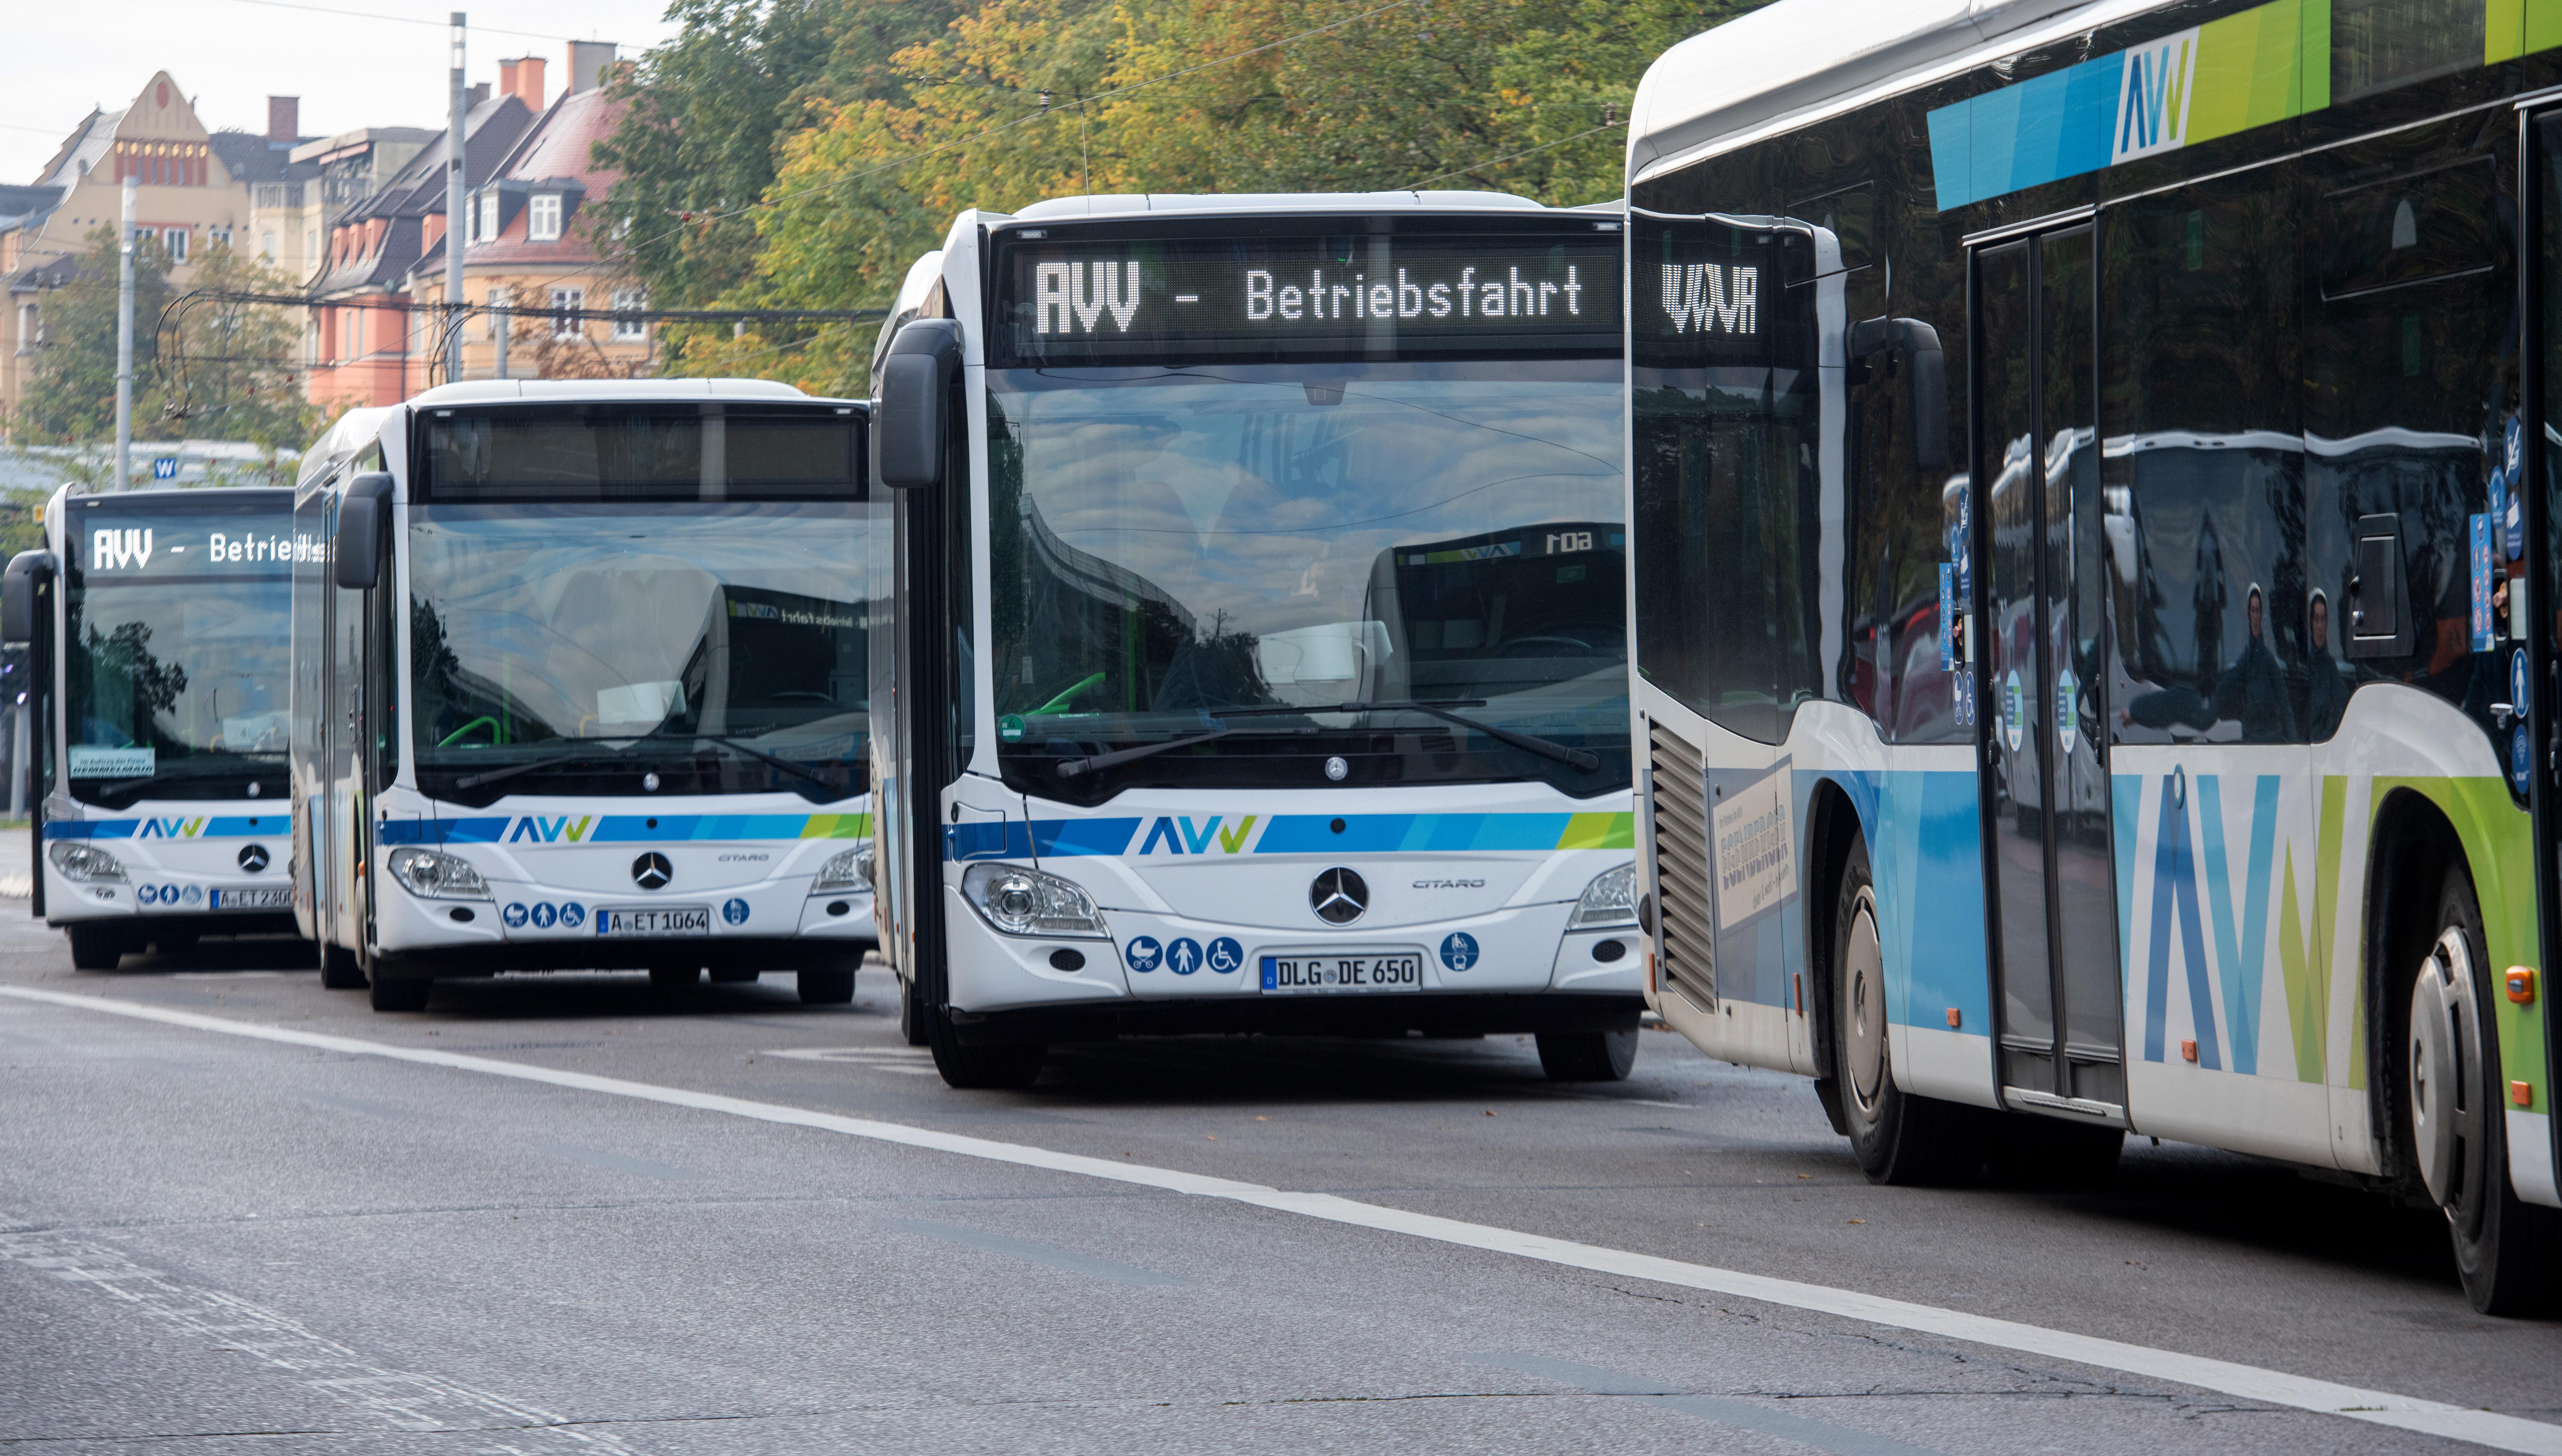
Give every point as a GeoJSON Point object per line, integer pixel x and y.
{"type": "Point", "coordinates": [1080, 301]}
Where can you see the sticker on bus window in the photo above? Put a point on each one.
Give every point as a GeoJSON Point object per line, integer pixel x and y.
{"type": "Point", "coordinates": [1948, 617]}
{"type": "Point", "coordinates": [2482, 583]}
{"type": "Point", "coordinates": [2068, 709]}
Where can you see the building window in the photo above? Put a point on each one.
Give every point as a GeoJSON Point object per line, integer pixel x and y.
{"type": "Point", "coordinates": [26, 328]}
{"type": "Point", "coordinates": [489, 225]}
{"type": "Point", "coordinates": [175, 241]}
{"type": "Point", "coordinates": [311, 244]}
{"type": "Point", "coordinates": [266, 246]}
{"type": "Point", "coordinates": [627, 303]}
{"type": "Point", "coordinates": [543, 218]}
{"type": "Point", "coordinates": [566, 323]}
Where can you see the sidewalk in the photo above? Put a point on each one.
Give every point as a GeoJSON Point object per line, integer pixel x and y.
{"type": "Point", "coordinates": [16, 862]}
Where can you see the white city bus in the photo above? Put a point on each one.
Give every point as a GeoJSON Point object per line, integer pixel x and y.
{"type": "Point", "coordinates": [155, 623]}
{"type": "Point", "coordinates": [580, 682]}
{"type": "Point", "coordinates": [1258, 625]}
{"type": "Point", "coordinates": [2092, 630]}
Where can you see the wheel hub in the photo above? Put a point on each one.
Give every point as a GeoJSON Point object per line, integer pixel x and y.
{"type": "Point", "coordinates": [2444, 1063]}
{"type": "Point", "coordinates": [1863, 1006]}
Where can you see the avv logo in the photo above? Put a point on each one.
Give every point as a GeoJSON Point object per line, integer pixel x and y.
{"type": "Point", "coordinates": [2152, 98]}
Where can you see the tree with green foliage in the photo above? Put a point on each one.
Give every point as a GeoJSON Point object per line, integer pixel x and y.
{"type": "Point", "coordinates": [1015, 100]}
{"type": "Point", "coordinates": [230, 370]}
{"type": "Point", "coordinates": [71, 389]}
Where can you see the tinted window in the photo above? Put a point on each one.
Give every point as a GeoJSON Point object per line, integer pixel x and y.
{"type": "Point", "coordinates": [620, 451]}
{"type": "Point", "coordinates": [2204, 469]}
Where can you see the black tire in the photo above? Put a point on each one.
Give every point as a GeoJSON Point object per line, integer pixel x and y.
{"type": "Point", "coordinates": [173, 943]}
{"type": "Point", "coordinates": [833, 988]}
{"type": "Point", "coordinates": [981, 1068]}
{"type": "Point", "coordinates": [2456, 1116]}
{"type": "Point", "coordinates": [674, 977]}
{"type": "Point", "coordinates": [1587, 1056]}
{"type": "Point", "coordinates": [734, 976]}
{"type": "Point", "coordinates": [2030, 1151]}
{"type": "Point", "coordinates": [911, 1018]}
{"type": "Point", "coordinates": [400, 993]}
{"type": "Point", "coordinates": [339, 970]}
{"type": "Point", "coordinates": [1899, 1138]}
{"type": "Point", "coordinates": [95, 946]}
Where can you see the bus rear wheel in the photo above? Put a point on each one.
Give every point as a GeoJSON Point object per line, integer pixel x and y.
{"type": "Point", "coordinates": [828, 986]}
{"type": "Point", "coordinates": [339, 970]}
{"type": "Point", "coordinates": [400, 993]}
{"type": "Point", "coordinates": [911, 1015]}
{"type": "Point", "coordinates": [1899, 1138]}
{"type": "Point", "coordinates": [2457, 1122]}
{"type": "Point", "coordinates": [1587, 1056]}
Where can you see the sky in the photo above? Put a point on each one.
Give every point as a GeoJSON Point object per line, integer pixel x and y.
{"type": "Point", "coordinates": [351, 70]}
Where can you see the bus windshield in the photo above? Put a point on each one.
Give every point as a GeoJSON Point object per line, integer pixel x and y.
{"type": "Point", "coordinates": [1170, 542]}
{"type": "Point", "coordinates": [174, 648]}
{"type": "Point", "coordinates": [623, 649]}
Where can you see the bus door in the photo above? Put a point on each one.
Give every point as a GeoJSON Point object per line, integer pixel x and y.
{"type": "Point", "coordinates": [2530, 557]}
{"type": "Point", "coordinates": [2045, 786]}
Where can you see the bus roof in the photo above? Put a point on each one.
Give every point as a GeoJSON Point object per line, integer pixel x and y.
{"type": "Point", "coordinates": [1795, 56]}
{"type": "Point", "coordinates": [483, 391]}
{"type": "Point", "coordinates": [1139, 203]}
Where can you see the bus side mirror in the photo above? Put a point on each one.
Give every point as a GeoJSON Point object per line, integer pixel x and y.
{"type": "Point", "coordinates": [27, 571]}
{"type": "Point", "coordinates": [1926, 379]}
{"type": "Point", "coordinates": [362, 513]}
{"type": "Point", "coordinates": [908, 423]}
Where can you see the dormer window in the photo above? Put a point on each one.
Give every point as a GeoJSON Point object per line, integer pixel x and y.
{"type": "Point", "coordinates": [543, 218]}
{"type": "Point", "coordinates": [488, 228]}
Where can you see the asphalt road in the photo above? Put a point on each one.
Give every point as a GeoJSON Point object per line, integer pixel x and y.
{"type": "Point", "coordinates": [212, 1241]}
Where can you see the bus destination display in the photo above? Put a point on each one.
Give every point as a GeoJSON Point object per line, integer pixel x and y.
{"type": "Point", "coordinates": [1370, 296]}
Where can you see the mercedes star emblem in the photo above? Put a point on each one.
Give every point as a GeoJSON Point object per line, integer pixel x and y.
{"type": "Point", "coordinates": [252, 858]}
{"type": "Point", "coordinates": [1338, 896]}
{"type": "Point", "coordinates": [652, 870]}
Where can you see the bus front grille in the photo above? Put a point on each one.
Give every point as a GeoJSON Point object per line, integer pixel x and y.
{"type": "Point", "coordinates": [1683, 909]}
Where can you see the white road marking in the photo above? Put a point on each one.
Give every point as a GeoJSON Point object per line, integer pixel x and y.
{"type": "Point", "coordinates": [886, 1054]}
{"type": "Point", "coordinates": [397, 1399]}
{"type": "Point", "coordinates": [2249, 1382]}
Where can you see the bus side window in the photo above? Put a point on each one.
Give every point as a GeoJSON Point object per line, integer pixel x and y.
{"type": "Point", "coordinates": [2206, 490]}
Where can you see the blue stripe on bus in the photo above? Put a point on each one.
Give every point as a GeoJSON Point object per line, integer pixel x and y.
{"type": "Point", "coordinates": [1387, 833]}
{"type": "Point", "coordinates": [228, 826]}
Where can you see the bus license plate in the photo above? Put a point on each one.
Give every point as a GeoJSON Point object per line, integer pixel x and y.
{"type": "Point", "coordinates": [279, 898]}
{"type": "Point", "coordinates": [674, 920]}
{"type": "Point", "coordinates": [1354, 974]}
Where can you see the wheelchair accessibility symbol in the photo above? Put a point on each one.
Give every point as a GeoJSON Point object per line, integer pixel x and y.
{"type": "Point", "coordinates": [1144, 953]}
{"type": "Point", "coordinates": [1183, 957]}
{"type": "Point", "coordinates": [1459, 950]}
{"type": "Point", "coordinates": [1227, 956]}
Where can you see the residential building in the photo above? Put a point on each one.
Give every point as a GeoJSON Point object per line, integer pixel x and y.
{"type": "Point", "coordinates": [532, 244]}
{"type": "Point", "coordinates": [289, 218]}
{"type": "Point", "coordinates": [366, 339]}
{"type": "Point", "coordinates": [193, 194]}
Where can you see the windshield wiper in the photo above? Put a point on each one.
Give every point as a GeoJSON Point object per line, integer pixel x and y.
{"type": "Point", "coordinates": [1071, 767]}
{"type": "Point", "coordinates": [475, 780]}
{"type": "Point", "coordinates": [1546, 748]}
{"type": "Point", "coordinates": [789, 765]}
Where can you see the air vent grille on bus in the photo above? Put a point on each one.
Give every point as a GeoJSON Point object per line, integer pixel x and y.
{"type": "Point", "coordinates": [1683, 909]}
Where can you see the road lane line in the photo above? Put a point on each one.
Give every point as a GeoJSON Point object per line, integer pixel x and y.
{"type": "Point", "coordinates": [2250, 1382]}
{"type": "Point", "coordinates": [1822, 1435]}
{"type": "Point", "coordinates": [1035, 1253]}
{"type": "Point", "coordinates": [398, 1399]}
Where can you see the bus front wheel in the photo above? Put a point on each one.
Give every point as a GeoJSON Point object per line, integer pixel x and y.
{"type": "Point", "coordinates": [831, 985]}
{"type": "Point", "coordinates": [1587, 1056]}
{"type": "Point", "coordinates": [400, 993]}
{"type": "Point", "coordinates": [981, 1067]}
{"type": "Point", "coordinates": [2457, 1118]}
{"type": "Point", "coordinates": [95, 946]}
{"type": "Point", "coordinates": [1897, 1137]}
{"type": "Point", "coordinates": [339, 970]}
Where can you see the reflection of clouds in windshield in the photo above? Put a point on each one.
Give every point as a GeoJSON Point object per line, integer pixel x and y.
{"type": "Point", "coordinates": [207, 664]}
{"type": "Point", "coordinates": [556, 608]}
{"type": "Point", "coordinates": [1244, 500]}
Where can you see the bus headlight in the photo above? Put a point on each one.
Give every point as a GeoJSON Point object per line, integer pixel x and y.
{"type": "Point", "coordinates": [1612, 900]}
{"type": "Point", "coordinates": [86, 862]}
{"type": "Point", "coordinates": [847, 870]}
{"type": "Point", "coordinates": [435, 875]}
{"type": "Point", "coordinates": [1022, 901]}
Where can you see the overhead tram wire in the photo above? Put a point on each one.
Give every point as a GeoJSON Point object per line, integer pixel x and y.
{"type": "Point", "coordinates": [400, 19]}
{"type": "Point", "coordinates": [172, 360]}
{"type": "Point", "coordinates": [1516, 156]}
